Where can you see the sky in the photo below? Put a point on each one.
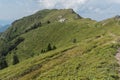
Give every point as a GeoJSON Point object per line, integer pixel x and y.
{"type": "Point", "coordinates": [11, 10]}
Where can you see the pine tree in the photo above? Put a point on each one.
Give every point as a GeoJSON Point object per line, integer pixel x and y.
{"type": "Point", "coordinates": [49, 48]}
{"type": "Point", "coordinates": [3, 63]}
{"type": "Point", "coordinates": [54, 47]}
{"type": "Point", "coordinates": [15, 59]}
{"type": "Point", "coordinates": [74, 40]}
{"type": "Point", "coordinates": [42, 51]}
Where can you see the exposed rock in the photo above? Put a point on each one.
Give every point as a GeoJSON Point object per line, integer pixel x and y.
{"type": "Point", "coordinates": [117, 17]}
{"type": "Point", "coordinates": [62, 20]}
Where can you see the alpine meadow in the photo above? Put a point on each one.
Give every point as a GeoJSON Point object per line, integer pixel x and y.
{"type": "Point", "coordinates": [59, 44]}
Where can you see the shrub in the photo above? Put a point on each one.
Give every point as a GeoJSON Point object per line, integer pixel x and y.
{"type": "Point", "coordinates": [74, 40]}
{"type": "Point", "coordinates": [43, 51]}
{"type": "Point", "coordinates": [48, 22]}
{"type": "Point", "coordinates": [54, 47]}
{"type": "Point", "coordinates": [49, 48]}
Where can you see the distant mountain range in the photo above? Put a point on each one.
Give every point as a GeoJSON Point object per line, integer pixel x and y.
{"type": "Point", "coordinates": [3, 28]}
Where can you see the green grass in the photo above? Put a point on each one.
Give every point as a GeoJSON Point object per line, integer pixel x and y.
{"type": "Point", "coordinates": [57, 34]}
{"type": "Point", "coordinates": [80, 61]}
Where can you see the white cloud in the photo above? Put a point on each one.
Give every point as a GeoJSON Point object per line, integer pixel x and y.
{"type": "Point", "coordinates": [49, 4]}
{"type": "Point", "coordinates": [114, 1]}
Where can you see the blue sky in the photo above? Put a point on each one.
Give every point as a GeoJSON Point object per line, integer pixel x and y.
{"type": "Point", "coordinates": [95, 9]}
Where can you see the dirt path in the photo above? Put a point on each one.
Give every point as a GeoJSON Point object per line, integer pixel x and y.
{"type": "Point", "coordinates": [118, 56]}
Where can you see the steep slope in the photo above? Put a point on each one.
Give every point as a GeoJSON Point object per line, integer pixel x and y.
{"type": "Point", "coordinates": [57, 34]}
{"type": "Point", "coordinates": [38, 36]}
{"type": "Point", "coordinates": [26, 24]}
{"type": "Point", "coordinates": [90, 59]}
{"type": "Point", "coordinates": [85, 49]}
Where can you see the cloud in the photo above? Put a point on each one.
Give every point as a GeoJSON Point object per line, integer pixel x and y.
{"type": "Point", "coordinates": [114, 1]}
{"type": "Point", "coordinates": [49, 4]}
{"type": "Point", "coordinates": [101, 9]}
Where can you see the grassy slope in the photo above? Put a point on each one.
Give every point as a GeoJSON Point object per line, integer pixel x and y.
{"type": "Point", "coordinates": [55, 33]}
{"type": "Point", "coordinates": [86, 60]}
{"type": "Point", "coordinates": [91, 58]}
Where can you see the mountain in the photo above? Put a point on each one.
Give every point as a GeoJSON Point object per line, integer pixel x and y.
{"type": "Point", "coordinates": [3, 28]}
{"type": "Point", "coordinates": [59, 45]}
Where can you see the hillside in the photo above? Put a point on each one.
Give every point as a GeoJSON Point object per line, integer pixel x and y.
{"type": "Point", "coordinates": [85, 49]}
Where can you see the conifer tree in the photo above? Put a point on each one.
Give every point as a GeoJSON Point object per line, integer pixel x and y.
{"type": "Point", "coordinates": [49, 47]}
{"type": "Point", "coordinates": [15, 59]}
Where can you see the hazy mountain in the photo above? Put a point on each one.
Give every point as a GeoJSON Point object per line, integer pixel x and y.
{"type": "Point", "coordinates": [3, 28]}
